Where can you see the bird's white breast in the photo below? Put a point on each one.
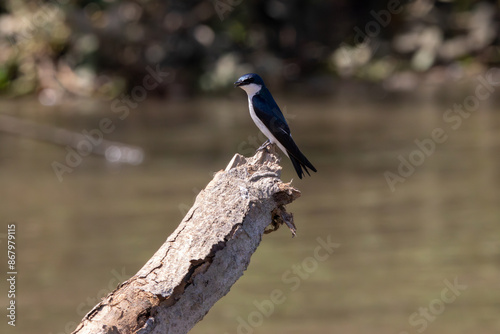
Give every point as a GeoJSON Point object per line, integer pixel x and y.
{"type": "Point", "coordinates": [262, 127]}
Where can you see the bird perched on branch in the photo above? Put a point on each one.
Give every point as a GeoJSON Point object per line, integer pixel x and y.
{"type": "Point", "coordinates": [270, 120]}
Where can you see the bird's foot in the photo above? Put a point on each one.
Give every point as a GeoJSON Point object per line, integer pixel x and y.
{"type": "Point", "coordinates": [264, 146]}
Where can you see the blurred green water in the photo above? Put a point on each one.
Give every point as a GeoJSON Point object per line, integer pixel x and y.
{"type": "Point", "coordinates": [397, 250]}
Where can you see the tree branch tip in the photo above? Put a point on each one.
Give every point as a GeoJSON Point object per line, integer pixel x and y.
{"type": "Point", "coordinates": [236, 161]}
{"type": "Point", "coordinates": [267, 157]}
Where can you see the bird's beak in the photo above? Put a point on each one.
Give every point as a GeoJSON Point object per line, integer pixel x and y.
{"type": "Point", "coordinates": [238, 83]}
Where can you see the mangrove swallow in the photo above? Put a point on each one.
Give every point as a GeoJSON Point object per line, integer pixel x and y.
{"type": "Point", "coordinates": [268, 117]}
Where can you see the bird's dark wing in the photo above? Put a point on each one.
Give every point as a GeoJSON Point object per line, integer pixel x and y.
{"type": "Point", "coordinates": [270, 114]}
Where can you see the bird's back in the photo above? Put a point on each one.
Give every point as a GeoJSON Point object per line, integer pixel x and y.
{"type": "Point", "coordinates": [264, 101]}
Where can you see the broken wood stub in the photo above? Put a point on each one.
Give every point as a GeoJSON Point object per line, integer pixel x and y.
{"type": "Point", "coordinates": [204, 256]}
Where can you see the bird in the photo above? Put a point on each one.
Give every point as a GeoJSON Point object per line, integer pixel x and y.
{"type": "Point", "coordinates": [270, 120]}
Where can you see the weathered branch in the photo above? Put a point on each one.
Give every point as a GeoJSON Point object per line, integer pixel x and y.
{"type": "Point", "coordinates": [204, 256]}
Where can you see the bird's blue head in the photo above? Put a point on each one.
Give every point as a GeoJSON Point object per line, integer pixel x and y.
{"type": "Point", "coordinates": [249, 78]}
{"type": "Point", "coordinates": [250, 83]}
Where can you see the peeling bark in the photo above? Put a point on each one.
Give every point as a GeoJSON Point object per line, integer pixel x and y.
{"type": "Point", "coordinates": [204, 256]}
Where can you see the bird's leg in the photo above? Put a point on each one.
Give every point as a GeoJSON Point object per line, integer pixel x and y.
{"type": "Point", "coordinates": [263, 146]}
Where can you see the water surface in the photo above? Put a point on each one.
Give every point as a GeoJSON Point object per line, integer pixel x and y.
{"type": "Point", "coordinates": [397, 250]}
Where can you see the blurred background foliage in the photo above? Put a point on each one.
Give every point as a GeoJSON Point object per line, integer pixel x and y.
{"type": "Point", "coordinates": [62, 48]}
